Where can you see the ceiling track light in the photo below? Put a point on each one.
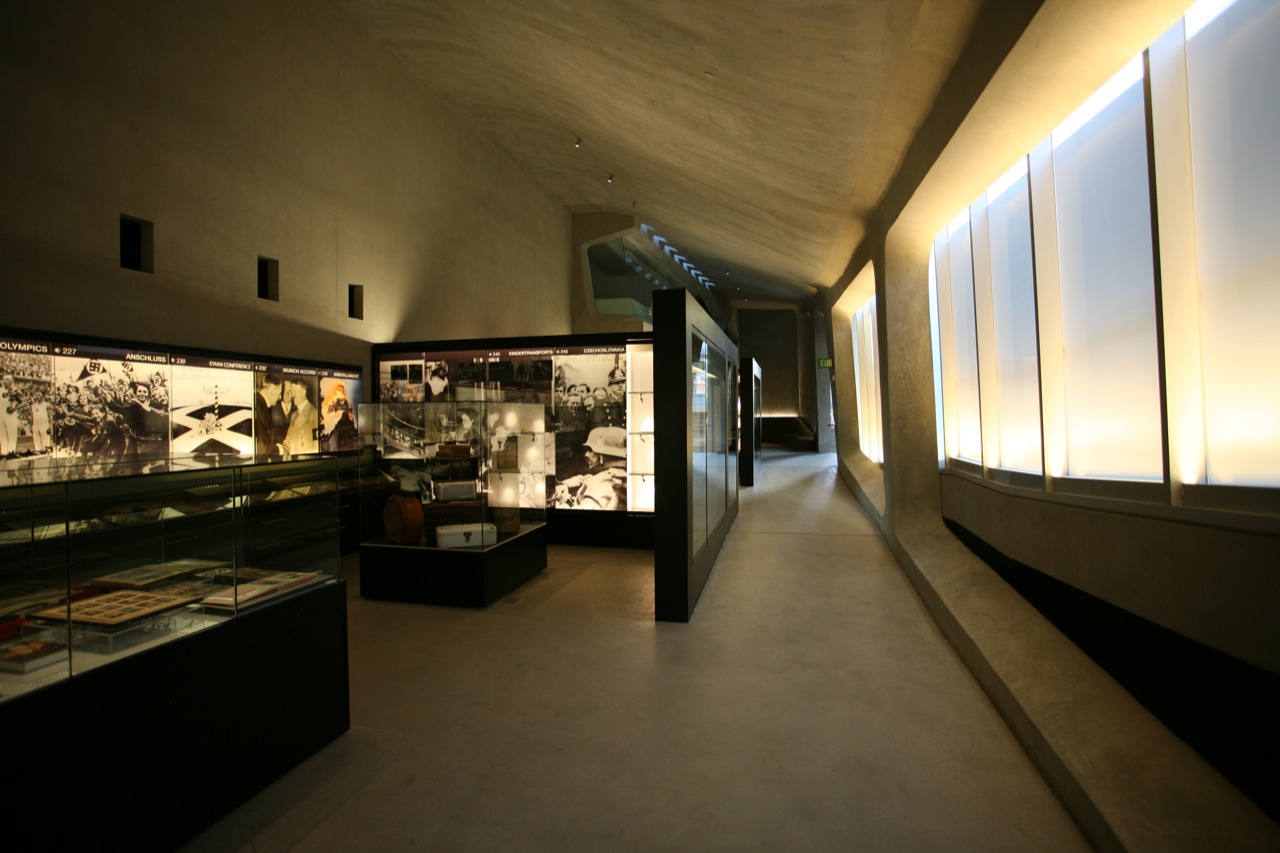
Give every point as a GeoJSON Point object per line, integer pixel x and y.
{"type": "Point", "coordinates": [610, 179]}
{"type": "Point", "coordinates": [578, 142]}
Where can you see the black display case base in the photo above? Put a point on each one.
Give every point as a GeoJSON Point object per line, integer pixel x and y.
{"type": "Point", "coordinates": [145, 752]}
{"type": "Point", "coordinates": [602, 529]}
{"type": "Point", "coordinates": [459, 577]}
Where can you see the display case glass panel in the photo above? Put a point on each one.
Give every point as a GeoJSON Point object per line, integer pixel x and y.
{"type": "Point", "coordinates": [465, 473]}
{"type": "Point", "coordinates": [94, 568]}
{"type": "Point", "coordinates": [699, 365]}
{"type": "Point", "coordinates": [596, 432]}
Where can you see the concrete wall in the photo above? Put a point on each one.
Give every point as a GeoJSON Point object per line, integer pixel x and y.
{"type": "Point", "coordinates": [771, 337]}
{"type": "Point", "coordinates": [241, 129]}
{"type": "Point", "coordinates": [1125, 779]}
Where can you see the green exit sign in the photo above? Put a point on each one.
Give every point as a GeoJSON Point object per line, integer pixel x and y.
{"type": "Point", "coordinates": [826, 362]}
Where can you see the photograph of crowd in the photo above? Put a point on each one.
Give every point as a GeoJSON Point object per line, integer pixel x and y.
{"type": "Point", "coordinates": [108, 407]}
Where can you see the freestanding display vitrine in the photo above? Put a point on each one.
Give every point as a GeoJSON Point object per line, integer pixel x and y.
{"type": "Point", "coordinates": [464, 522]}
{"type": "Point", "coordinates": [170, 643]}
{"type": "Point", "coordinates": [696, 365]}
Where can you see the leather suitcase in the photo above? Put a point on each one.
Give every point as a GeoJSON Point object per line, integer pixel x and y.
{"type": "Point", "coordinates": [402, 519]}
{"type": "Point", "coordinates": [453, 451]}
{"type": "Point", "coordinates": [466, 535]}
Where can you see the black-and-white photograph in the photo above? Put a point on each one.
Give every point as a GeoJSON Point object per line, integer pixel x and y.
{"type": "Point", "coordinates": [286, 421]}
{"type": "Point", "coordinates": [212, 408]}
{"type": "Point", "coordinates": [298, 398]}
{"type": "Point", "coordinates": [339, 396]}
{"type": "Point", "coordinates": [26, 399]}
{"type": "Point", "coordinates": [110, 404]}
{"type": "Point", "coordinates": [400, 381]}
{"type": "Point", "coordinates": [590, 390]}
{"type": "Point", "coordinates": [591, 470]}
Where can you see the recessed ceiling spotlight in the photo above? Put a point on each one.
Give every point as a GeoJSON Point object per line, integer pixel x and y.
{"type": "Point", "coordinates": [710, 75]}
{"type": "Point", "coordinates": [610, 179]}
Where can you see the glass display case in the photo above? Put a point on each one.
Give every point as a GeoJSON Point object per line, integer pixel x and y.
{"type": "Point", "coordinates": [461, 474]}
{"type": "Point", "coordinates": [97, 568]}
{"type": "Point", "coordinates": [460, 503]}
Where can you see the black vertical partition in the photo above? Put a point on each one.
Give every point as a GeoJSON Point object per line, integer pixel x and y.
{"type": "Point", "coordinates": [695, 413]}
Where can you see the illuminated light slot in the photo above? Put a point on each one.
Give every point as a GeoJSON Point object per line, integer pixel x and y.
{"type": "Point", "coordinates": [1202, 14]}
{"type": "Point", "coordinates": [1191, 463]}
{"type": "Point", "coordinates": [1008, 179]}
{"type": "Point", "coordinates": [641, 492]}
{"type": "Point", "coordinates": [505, 490]}
{"type": "Point", "coordinates": [1126, 77]}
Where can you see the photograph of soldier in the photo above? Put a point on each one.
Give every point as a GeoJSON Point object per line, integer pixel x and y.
{"type": "Point", "coordinates": [581, 392]}
{"type": "Point", "coordinates": [213, 411]}
{"type": "Point", "coordinates": [595, 477]}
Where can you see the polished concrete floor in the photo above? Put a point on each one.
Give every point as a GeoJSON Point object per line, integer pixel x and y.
{"type": "Point", "coordinates": [811, 704]}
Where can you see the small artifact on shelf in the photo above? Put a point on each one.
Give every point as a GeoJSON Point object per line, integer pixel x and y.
{"type": "Point", "coordinates": [27, 654]}
{"type": "Point", "coordinates": [116, 608]}
{"type": "Point", "coordinates": [242, 575]}
{"type": "Point", "coordinates": [453, 450]}
{"type": "Point", "coordinates": [197, 564]}
{"type": "Point", "coordinates": [143, 577]}
{"type": "Point", "coordinates": [455, 490]}
{"type": "Point", "coordinates": [258, 591]}
{"type": "Point", "coordinates": [466, 535]}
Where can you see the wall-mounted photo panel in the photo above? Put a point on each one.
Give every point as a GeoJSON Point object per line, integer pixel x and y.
{"type": "Point", "coordinates": [590, 388]}
{"type": "Point", "coordinates": [401, 381]}
{"type": "Point", "coordinates": [26, 399]}
{"type": "Point", "coordinates": [299, 399]}
{"type": "Point", "coordinates": [340, 392]}
{"type": "Point", "coordinates": [212, 407]}
{"type": "Point", "coordinates": [110, 404]}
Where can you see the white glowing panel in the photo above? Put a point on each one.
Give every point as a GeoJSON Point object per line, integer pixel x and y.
{"type": "Point", "coordinates": [1233, 76]}
{"type": "Point", "coordinates": [866, 365]}
{"type": "Point", "coordinates": [967, 408]}
{"type": "Point", "coordinates": [1110, 361]}
{"type": "Point", "coordinates": [1014, 307]}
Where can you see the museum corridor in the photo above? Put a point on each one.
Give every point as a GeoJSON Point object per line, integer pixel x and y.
{"type": "Point", "coordinates": [810, 704]}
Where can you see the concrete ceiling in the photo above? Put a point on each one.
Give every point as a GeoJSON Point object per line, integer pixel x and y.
{"type": "Point", "coordinates": [756, 135]}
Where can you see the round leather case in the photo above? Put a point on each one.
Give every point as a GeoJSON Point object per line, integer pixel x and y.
{"type": "Point", "coordinates": [402, 519]}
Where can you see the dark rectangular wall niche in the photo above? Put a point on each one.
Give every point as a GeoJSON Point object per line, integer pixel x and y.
{"type": "Point", "coordinates": [696, 415]}
{"type": "Point", "coordinates": [355, 301]}
{"type": "Point", "coordinates": [136, 244]}
{"type": "Point", "coordinates": [268, 278]}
